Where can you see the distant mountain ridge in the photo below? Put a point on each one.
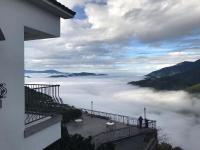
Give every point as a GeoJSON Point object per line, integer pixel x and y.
{"type": "Point", "coordinates": [58, 74]}
{"type": "Point", "coordinates": [76, 75]}
{"type": "Point", "coordinates": [183, 76]}
{"type": "Point", "coordinates": [176, 69]}
{"type": "Point", "coordinates": [43, 71]}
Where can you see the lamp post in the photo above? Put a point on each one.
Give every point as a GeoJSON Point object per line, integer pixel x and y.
{"type": "Point", "coordinates": [91, 108]}
{"type": "Point", "coordinates": [145, 115]}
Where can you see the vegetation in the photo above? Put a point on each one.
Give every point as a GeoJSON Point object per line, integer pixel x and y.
{"type": "Point", "coordinates": [166, 146]}
{"type": "Point", "coordinates": [174, 79]}
{"type": "Point", "coordinates": [76, 142]}
{"type": "Point", "coordinates": [176, 69]}
{"type": "Point", "coordinates": [163, 142]}
{"type": "Point", "coordinates": [194, 88]}
{"type": "Point", "coordinates": [71, 142]}
{"type": "Point", "coordinates": [107, 146]}
{"type": "Point", "coordinates": [71, 114]}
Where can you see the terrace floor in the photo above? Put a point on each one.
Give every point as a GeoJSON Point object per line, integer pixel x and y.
{"type": "Point", "coordinates": [91, 126]}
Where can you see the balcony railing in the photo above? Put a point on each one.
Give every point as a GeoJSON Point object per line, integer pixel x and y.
{"type": "Point", "coordinates": [30, 118]}
{"type": "Point", "coordinates": [132, 128]}
{"type": "Point", "coordinates": [120, 118]}
{"type": "Point", "coordinates": [41, 101]}
{"type": "Point", "coordinates": [122, 133]}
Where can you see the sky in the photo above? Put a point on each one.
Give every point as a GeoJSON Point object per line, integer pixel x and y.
{"type": "Point", "coordinates": [112, 36]}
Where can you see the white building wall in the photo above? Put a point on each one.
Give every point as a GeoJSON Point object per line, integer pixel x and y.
{"type": "Point", "coordinates": [14, 15]}
{"type": "Point", "coordinates": [12, 68]}
{"type": "Point", "coordinates": [27, 14]}
{"type": "Point", "coordinates": [42, 139]}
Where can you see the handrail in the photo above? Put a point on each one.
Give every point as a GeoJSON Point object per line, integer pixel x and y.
{"type": "Point", "coordinates": [119, 118]}
{"type": "Point", "coordinates": [119, 134]}
{"type": "Point", "coordinates": [47, 91]}
{"type": "Point", "coordinates": [41, 101]}
{"type": "Point", "coordinates": [31, 117]}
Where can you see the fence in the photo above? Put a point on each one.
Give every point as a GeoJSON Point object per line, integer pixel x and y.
{"type": "Point", "coordinates": [41, 100]}
{"type": "Point", "coordinates": [30, 118]}
{"type": "Point", "coordinates": [120, 118]}
{"type": "Point", "coordinates": [117, 134]}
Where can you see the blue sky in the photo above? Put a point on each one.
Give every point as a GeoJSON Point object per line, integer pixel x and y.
{"type": "Point", "coordinates": [136, 36]}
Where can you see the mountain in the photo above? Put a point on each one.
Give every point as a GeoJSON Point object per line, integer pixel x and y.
{"type": "Point", "coordinates": [44, 71]}
{"type": "Point", "coordinates": [27, 76]}
{"type": "Point", "coordinates": [178, 77]}
{"type": "Point", "coordinates": [58, 74]}
{"type": "Point", "coordinates": [194, 89]}
{"type": "Point", "coordinates": [173, 70]}
{"type": "Point", "coordinates": [76, 75]}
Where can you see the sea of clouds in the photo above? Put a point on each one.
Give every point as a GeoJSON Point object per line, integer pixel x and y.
{"type": "Point", "coordinates": [177, 112]}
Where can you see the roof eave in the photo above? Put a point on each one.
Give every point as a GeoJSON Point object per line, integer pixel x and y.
{"type": "Point", "coordinates": [55, 7]}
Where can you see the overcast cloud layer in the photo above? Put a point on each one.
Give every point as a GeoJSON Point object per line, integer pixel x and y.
{"type": "Point", "coordinates": [176, 112]}
{"type": "Point", "coordinates": [116, 35]}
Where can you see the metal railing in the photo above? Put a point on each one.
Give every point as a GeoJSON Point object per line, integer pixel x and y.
{"type": "Point", "coordinates": [41, 101]}
{"type": "Point", "coordinates": [132, 128]}
{"type": "Point", "coordinates": [119, 134]}
{"type": "Point", "coordinates": [30, 118]}
{"type": "Point", "coordinates": [47, 90]}
{"type": "Point", "coordinates": [120, 118]}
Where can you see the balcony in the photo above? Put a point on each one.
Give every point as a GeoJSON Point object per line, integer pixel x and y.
{"type": "Point", "coordinates": [124, 129]}
{"type": "Point", "coordinates": [42, 107]}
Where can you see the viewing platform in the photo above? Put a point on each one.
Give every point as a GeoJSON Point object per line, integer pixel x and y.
{"type": "Point", "coordinates": [107, 127]}
{"type": "Point", "coordinates": [44, 106]}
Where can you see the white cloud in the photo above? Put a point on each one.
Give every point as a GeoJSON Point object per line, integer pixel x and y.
{"type": "Point", "coordinates": [177, 53]}
{"type": "Point", "coordinates": [110, 26]}
{"type": "Point", "coordinates": [176, 112]}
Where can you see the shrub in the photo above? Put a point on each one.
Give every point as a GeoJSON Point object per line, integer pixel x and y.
{"type": "Point", "coordinates": [71, 114]}
{"type": "Point", "coordinates": [74, 142]}
{"type": "Point", "coordinates": [166, 146]}
{"type": "Point", "coordinates": [107, 146]}
{"type": "Point", "coordinates": [177, 148]}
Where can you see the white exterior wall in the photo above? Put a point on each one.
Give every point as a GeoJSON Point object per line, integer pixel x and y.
{"type": "Point", "coordinates": [41, 140]}
{"type": "Point", "coordinates": [12, 70]}
{"type": "Point", "coordinates": [14, 15]}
